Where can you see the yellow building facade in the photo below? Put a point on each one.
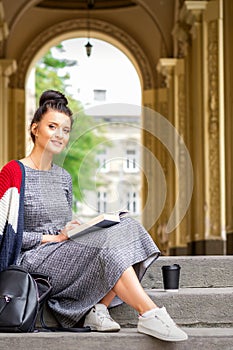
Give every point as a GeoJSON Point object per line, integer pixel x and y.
{"type": "Point", "coordinates": [183, 55]}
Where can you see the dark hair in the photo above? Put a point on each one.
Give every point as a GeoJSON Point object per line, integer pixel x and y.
{"type": "Point", "coordinates": [54, 100]}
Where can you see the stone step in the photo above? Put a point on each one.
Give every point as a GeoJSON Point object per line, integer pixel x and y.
{"type": "Point", "coordinates": [130, 339]}
{"type": "Point", "coordinates": [193, 307]}
{"type": "Point", "coordinates": [196, 271]}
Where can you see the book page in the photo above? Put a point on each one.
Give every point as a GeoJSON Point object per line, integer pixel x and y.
{"type": "Point", "coordinates": [101, 221]}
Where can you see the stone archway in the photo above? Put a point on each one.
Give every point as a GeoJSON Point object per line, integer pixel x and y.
{"type": "Point", "coordinates": [51, 36]}
{"type": "Point", "coordinates": [102, 30]}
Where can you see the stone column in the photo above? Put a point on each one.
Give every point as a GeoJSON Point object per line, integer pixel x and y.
{"type": "Point", "coordinates": [7, 68]}
{"type": "Point", "coordinates": [191, 46]}
{"type": "Point", "coordinates": [177, 182]}
{"type": "Point", "coordinates": [228, 78]}
{"type": "Point", "coordinates": [156, 172]}
{"type": "Point", "coordinates": [17, 123]}
{"type": "Point", "coordinates": [214, 130]}
{"type": "Point", "coordinates": [148, 150]}
{"type": "Point", "coordinates": [162, 154]}
{"type": "Point", "coordinates": [202, 48]}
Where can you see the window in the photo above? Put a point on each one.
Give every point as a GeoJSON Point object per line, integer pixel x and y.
{"type": "Point", "coordinates": [99, 95]}
{"type": "Point", "coordinates": [102, 160]}
{"type": "Point", "coordinates": [130, 165]}
{"type": "Point", "coordinates": [102, 201]}
{"type": "Point", "coordinates": [132, 202]}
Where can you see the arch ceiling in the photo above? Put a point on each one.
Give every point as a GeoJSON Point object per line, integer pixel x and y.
{"type": "Point", "coordinates": [139, 28]}
{"type": "Point", "coordinates": [161, 13]}
{"type": "Point", "coordinates": [76, 28]}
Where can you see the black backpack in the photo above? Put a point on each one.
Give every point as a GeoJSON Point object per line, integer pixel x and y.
{"type": "Point", "coordinates": [22, 296]}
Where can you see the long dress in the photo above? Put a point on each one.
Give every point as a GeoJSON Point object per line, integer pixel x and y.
{"type": "Point", "coordinates": [84, 270]}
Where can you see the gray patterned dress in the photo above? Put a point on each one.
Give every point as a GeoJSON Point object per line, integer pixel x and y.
{"type": "Point", "coordinates": [82, 271]}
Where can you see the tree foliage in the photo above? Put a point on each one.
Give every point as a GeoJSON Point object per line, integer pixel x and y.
{"type": "Point", "coordinates": [79, 159]}
{"type": "Point", "coordinates": [50, 72]}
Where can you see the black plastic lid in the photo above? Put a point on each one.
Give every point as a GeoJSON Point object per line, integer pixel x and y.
{"type": "Point", "coordinates": [171, 267]}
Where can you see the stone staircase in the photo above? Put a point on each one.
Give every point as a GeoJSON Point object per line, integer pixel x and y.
{"type": "Point", "coordinates": [203, 307]}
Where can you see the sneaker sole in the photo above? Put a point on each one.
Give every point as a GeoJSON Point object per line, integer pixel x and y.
{"type": "Point", "coordinates": [96, 329]}
{"type": "Point", "coordinates": [153, 333]}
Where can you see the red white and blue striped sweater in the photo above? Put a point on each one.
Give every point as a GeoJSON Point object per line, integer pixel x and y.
{"type": "Point", "coordinates": [12, 180]}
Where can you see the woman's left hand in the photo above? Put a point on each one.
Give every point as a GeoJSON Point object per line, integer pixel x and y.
{"type": "Point", "coordinates": [69, 226]}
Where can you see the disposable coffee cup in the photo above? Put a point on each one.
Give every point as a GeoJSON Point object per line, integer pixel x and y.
{"type": "Point", "coordinates": [171, 277]}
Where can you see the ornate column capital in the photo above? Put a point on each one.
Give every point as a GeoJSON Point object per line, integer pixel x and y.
{"type": "Point", "coordinates": [7, 67]}
{"type": "Point", "coordinates": [169, 68]}
{"type": "Point", "coordinates": [184, 29]}
{"type": "Point", "coordinates": [166, 67]}
{"type": "Point", "coordinates": [195, 7]}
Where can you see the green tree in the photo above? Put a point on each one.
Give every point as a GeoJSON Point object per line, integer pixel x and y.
{"type": "Point", "coordinates": [79, 159]}
{"type": "Point", "coordinates": [50, 73]}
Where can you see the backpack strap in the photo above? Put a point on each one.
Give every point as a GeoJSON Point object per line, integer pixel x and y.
{"type": "Point", "coordinates": [60, 328]}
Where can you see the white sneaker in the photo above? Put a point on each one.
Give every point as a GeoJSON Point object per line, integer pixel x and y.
{"type": "Point", "coordinates": [98, 319]}
{"type": "Point", "coordinates": [159, 324]}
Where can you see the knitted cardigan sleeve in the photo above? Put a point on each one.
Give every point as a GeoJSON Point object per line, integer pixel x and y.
{"type": "Point", "coordinates": [12, 180]}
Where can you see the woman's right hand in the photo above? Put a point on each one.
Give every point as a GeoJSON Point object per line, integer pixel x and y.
{"type": "Point", "coordinates": [63, 235]}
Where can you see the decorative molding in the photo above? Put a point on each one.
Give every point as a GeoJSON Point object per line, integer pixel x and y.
{"type": "Point", "coordinates": [213, 129]}
{"type": "Point", "coordinates": [3, 25]}
{"type": "Point", "coordinates": [77, 25]}
{"type": "Point", "coordinates": [4, 31]}
{"type": "Point", "coordinates": [20, 125]}
{"type": "Point", "coordinates": [181, 105]}
{"type": "Point", "coordinates": [182, 159]}
{"type": "Point", "coordinates": [165, 161]}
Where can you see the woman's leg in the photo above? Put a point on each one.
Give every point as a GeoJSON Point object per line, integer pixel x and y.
{"type": "Point", "coordinates": [129, 290]}
{"type": "Point", "coordinates": [108, 298]}
{"type": "Point", "coordinates": [153, 320]}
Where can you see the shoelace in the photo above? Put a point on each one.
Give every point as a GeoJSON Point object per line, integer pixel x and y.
{"type": "Point", "coordinates": [166, 319]}
{"type": "Point", "coordinates": [102, 315]}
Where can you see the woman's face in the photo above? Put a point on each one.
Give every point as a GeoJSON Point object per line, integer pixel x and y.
{"type": "Point", "coordinates": [52, 132]}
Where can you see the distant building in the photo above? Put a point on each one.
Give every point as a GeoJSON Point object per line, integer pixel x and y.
{"type": "Point", "coordinates": [118, 173]}
{"type": "Point", "coordinates": [118, 161]}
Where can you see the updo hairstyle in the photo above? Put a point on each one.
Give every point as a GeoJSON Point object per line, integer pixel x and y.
{"type": "Point", "coordinates": [50, 100]}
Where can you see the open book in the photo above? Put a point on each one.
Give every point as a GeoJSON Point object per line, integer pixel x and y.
{"type": "Point", "coordinates": [101, 221]}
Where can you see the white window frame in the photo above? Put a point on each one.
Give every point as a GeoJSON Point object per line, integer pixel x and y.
{"type": "Point", "coordinates": [133, 202]}
{"type": "Point", "coordinates": [102, 201]}
{"type": "Point", "coordinates": [104, 165]}
{"type": "Point", "coordinates": [130, 163]}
